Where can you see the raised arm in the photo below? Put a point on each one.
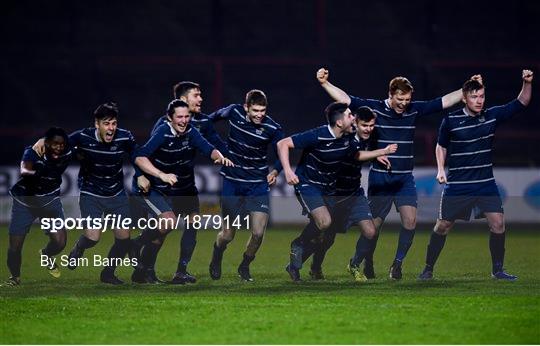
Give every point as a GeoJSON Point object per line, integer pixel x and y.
{"type": "Point", "coordinates": [336, 93]}
{"type": "Point", "coordinates": [525, 94]}
{"type": "Point", "coordinates": [366, 155]}
{"type": "Point", "coordinates": [283, 147]}
{"type": "Point", "coordinates": [440, 155]}
{"type": "Point", "coordinates": [456, 96]}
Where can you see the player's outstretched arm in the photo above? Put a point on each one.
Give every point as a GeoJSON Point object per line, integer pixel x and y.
{"type": "Point", "coordinates": [336, 93]}
{"type": "Point", "coordinates": [440, 155]}
{"type": "Point", "coordinates": [219, 159]}
{"type": "Point", "coordinates": [456, 96]}
{"type": "Point", "coordinates": [526, 90]}
{"type": "Point", "coordinates": [147, 167]}
{"type": "Point", "coordinates": [366, 155]}
{"type": "Point", "coordinates": [283, 147]}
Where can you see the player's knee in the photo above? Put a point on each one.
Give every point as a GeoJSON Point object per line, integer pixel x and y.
{"type": "Point", "coordinates": [409, 222]}
{"type": "Point", "coordinates": [226, 235]}
{"type": "Point", "coordinates": [323, 223]}
{"type": "Point", "coordinates": [442, 227]}
{"type": "Point", "coordinates": [167, 221]}
{"type": "Point", "coordinates": [369, 232]}
{"type": "Point", "coordinates": [497, 226]}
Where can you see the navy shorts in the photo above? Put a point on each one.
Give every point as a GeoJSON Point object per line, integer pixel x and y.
{"type": "Point", "coordinates": [459, 201]}
{"type": "Point", "coordinates": [186, 202]}
{"type": "Point", "coordinates": [240, 199]}
{"type": "Point", "coordinates": [387, 188]}
{"type": "Point", "coordinates": [312, 197]}
{"type": "Point", "coordinates": [347, 212]}
{"type": "Point", "coordinates": [96, 206]}
{"type": "Point", "coordinates": [156, 203]}
{"type": "Point", "coordinates": [23, 216]}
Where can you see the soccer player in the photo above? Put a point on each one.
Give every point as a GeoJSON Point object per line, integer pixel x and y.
{"type": "Point", "coordinates": [101, 150]}
{"type": "Point", "coordinates": [396, 119]}
{"type": "Point", "coordinates": [314, 181]}
{"type": "Point", "coordinates": [37, 195]}
{"type": "Point", "coordinates": [466, 139]}
{"type": "Point", "coordinates": [351, 206]}
{"type": "Point", "coordinates": [246, 186]}
{"type": "Point", "coordinates": [190, 93]}
{"type": "Point", "coordinates": [167, 159]}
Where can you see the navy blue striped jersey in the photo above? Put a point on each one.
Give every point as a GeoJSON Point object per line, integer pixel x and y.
{"type": "Point", "coordinates": [469, 142]}
{"type": "Point", "coordinates": [248, 144]}
{"type": "Point", "coordinates": [101, 172]}
{"type": "Point", "coordinates": [204, 125]}
{"type": "Point", "coordinates": [350, 171]}
{"type": "Point", "coordinates": [322, 156]}
{"type": "Point", "coordinates": [172, 152]}
{"type": "Point", "coordinates": [391, 127]}
{"type": "Point", "coordinates": [43, 187]}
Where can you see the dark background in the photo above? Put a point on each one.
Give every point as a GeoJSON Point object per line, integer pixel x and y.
{"type": "Point", "coordinates": [60, 59]}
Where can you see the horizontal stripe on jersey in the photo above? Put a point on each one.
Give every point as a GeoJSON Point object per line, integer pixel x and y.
{"type": "Point", "coordinates": [178, 156]}
{"type": "Point", "coordinates": [101, 172]}
{"type": "Point", "coordinates": [322, 156]}
{"type": "Point", "coordinates": [248, 144]}
{"type": "Point", "coordinates": [391, 127]}
{"type": "Point", "coordinates": [350, 171]}
{"type": "Point", "coordinates": [44, 186]}
{"type": "Point", "coordinates": [469, 142]}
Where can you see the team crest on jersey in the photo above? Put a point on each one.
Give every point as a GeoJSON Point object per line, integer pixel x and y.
{"type": "Point", "coordinates": [114, 147]}
{"type": "Point", "coordinates": [482, 119]}
{"type": "Point", "coordinates": [185, 143]}
{"type": "Point", "coordinates": [259, 131]}
{"type": "Point", "coordinates": [346, 143]}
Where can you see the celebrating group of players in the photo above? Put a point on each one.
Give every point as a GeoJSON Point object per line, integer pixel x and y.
{"type": "Point", "coordinates": [327, 179]}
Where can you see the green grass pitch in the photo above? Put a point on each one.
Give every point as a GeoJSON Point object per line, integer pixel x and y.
{"type": "Point", "coordinates": [462, 306]}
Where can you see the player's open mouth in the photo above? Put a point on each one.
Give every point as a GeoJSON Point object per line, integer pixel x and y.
{"type": "Point", "coordinates": [109, 136]}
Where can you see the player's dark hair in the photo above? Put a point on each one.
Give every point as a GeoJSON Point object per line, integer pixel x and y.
{"type": "Point", "coordinates": [55, 131]}
{"type": "Point", "coordinates": [471, 85]}
{"type": "Point", "coordinates": [175, 104]}
{"type": "Point", "coordinates": [182, 88]}
{"type": "Point", "coordinates": [400, 83]}
{"type": "Point", "coordinates": [107, 110]}
{"type": "Point", "coordinates": [334, 112]}
{"type": "Point", "coordinates": [364, 113]}
{"type": "Point", "coordinates": [256, 97]}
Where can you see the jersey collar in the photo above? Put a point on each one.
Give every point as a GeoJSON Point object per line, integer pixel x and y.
{"type": "Point", "coordinates": [331, 131]}
{"type": "Point", "coordinates": [175, 133]}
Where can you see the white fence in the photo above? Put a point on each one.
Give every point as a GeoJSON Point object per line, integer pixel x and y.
{"type": "Point", "coordinates": [519, 187]}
